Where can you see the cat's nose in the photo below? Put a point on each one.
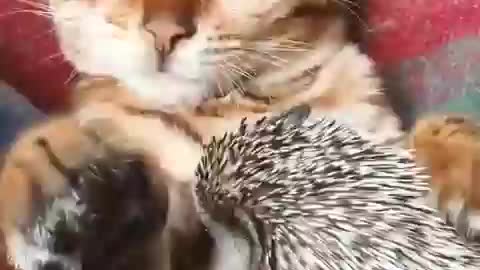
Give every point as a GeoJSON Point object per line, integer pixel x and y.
{"type": "Point", "coordinates": [168, 32]}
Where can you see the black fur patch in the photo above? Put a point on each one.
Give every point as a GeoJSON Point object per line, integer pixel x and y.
{"type": "Point", "coordinates": [123, 210]}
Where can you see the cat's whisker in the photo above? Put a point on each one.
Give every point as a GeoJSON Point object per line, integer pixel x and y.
{"type": "Point", "coordinates": [71, 76]}
{"type": "Point", "coordinates": [225, 74]}
{"type": "Point", "coordinates": [285, 49]}
{"type": "Point", "coordinates": [224, 78]}
{"type": "Point", "coordinates": [275, 47]}
{"type": "Point", "coordinates": [262, 58]}
{"type": "Point", "coordinates": [51, 57]}
{"type": "Point", "coordinates": [219, 87]}
{"type": "Point", "coordinates": [279, 41]}
{"type": "Point", "coordinates": [231, 77]}
{"type": "Point", "coordinates": [278, 46]}
{"type": "Point", "coordinates": [243, 64]}
{"type": "Point", "coordinates": [279, 49]}
{"type": "Point", "coordinates": [37, 5]}
{"type": "Point", "coordinates": [265, 54]}
{"type": "Point", "coordinates": [275, 58]}
{"type": "Point", "coordinates": [351, 2]}
{"type": "Point", "coordinates": [238, 69]}
{"type": "Point", "coordinates": [39, 13]}
{"type": "Point", "coordinates": [239, 83]}
{"type": "Point", "coordinates": [347, 4]}
{"type": "Point", "coordinates": [283, 42]}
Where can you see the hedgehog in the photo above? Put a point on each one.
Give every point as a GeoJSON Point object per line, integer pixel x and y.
{"type": "Point", "coordinates": [293, 193]}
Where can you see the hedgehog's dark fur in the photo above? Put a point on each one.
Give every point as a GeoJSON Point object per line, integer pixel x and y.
{"type": "Point", "coordinates": [122, 211]}
{"type": "Point", "coordinates": [125, 204]}
{"type": "Point", "coordinates": [317, 196]}
{"type": "Point", "coordinates": [118, 191]}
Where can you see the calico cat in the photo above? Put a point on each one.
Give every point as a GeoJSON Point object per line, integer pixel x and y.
{"type": "Point", "coordinates": [264, 55]}
{"type": "Point", "coordinates": [248, 59]}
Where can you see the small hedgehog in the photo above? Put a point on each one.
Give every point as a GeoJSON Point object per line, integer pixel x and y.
{"type": "Point", "coordinates": [287, 193]}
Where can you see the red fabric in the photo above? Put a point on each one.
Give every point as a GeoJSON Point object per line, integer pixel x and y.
{"type": "Point", "coordinates": [30, 59]}
{"type": "Point", "coordinates": [29, 56]}
{"type": "Point", "coordinates": [405, 29]}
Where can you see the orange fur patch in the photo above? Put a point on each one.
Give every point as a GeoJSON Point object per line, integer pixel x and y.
{"type": "Point", "coordinates": [449, 146]}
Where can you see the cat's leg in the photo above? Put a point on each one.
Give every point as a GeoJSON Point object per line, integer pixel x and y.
{"type": "Point", "coordinates": [29, 177]}
{"type": "Point", "coordinates": [449, 146]}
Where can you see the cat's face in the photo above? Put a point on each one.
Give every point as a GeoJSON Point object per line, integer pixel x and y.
{"type": "Point", "coordinates": [218, 41]}
{"type": "Point", "coordinates": [104, 36]}
{"type": "Point", "coordinates": [239, 39]}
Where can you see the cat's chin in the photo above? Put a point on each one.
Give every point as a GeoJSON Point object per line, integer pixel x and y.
{"type": "Point", "coordinates": [164, 90]}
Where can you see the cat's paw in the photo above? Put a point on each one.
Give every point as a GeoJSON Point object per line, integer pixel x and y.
{"type": "Point", "coordinates": [32, 159]}
{"type": "Point", "coordinates": [449, 147]}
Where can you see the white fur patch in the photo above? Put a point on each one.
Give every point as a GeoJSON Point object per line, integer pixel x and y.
{"type": "Point", "coordinates": [23, 255]}
{"type": "Point", "coordinates": [431, 199]}
{"type": "Point", "coordinates": [473, 224]}
{"type": "Point", "coordinates": [232, 252]}
{"type": "Point", "coordinates": [96, 46]}
{"type": "Point", "coordinates": [454, 208]}
{"type": "Point", "coordinates": [28, 252]}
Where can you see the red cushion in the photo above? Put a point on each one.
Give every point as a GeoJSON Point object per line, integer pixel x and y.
{"type": "Point", "coordinates": [405, 29]}
{"type": "Point", "coordinates": [402, 30]}
{"type": "Point", "coordinates": [29, 56]}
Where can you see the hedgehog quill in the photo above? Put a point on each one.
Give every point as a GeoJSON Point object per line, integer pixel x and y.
{"type": "Point", "coordinates": [287, 193]}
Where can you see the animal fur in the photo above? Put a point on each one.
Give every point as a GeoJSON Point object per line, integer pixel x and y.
{"type": "Point", "coordinates": [289, 193]}
{"type": "Point", "coordinates": [257, 59]}
{"type": "Point", "coordinates": [30, 179]}
{"type": "Point", "coordinates": [264, 55]}
{"type": "Point", "coordinates": [448, 146]}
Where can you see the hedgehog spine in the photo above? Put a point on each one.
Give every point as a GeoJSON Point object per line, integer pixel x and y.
{"type": "Point", "coordinates": [315, 195]}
